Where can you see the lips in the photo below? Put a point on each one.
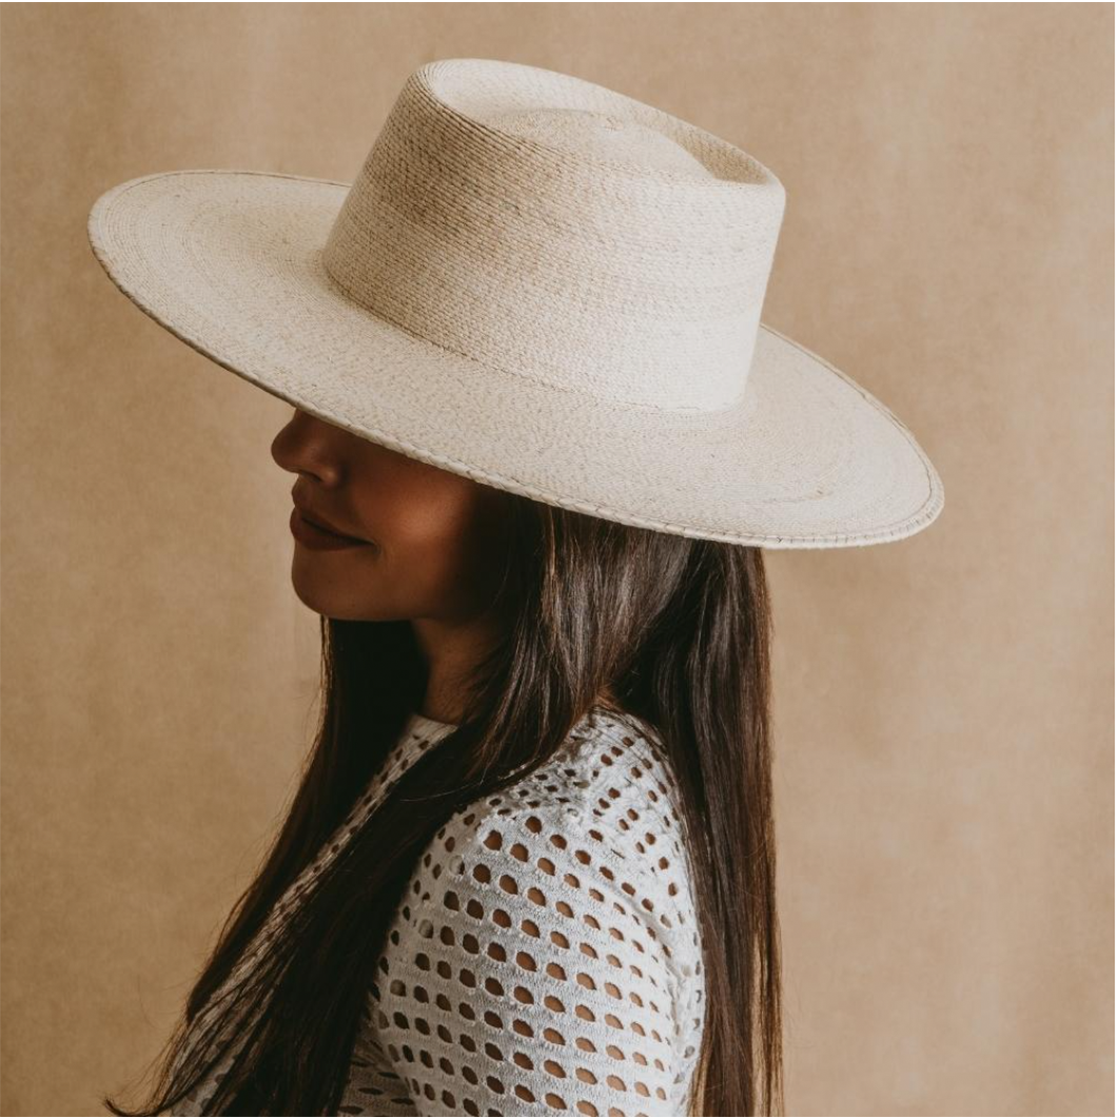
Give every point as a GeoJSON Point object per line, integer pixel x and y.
{"type": "Point", "coordinates": [325, 525]}
{"type": "Point", "coordinates": [321, 526]}
{"type": "Point", "coordinates": [314, 538]}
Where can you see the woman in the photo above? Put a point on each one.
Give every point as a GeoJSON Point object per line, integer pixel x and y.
{"type": "Point", "coordinates": [540, 442]}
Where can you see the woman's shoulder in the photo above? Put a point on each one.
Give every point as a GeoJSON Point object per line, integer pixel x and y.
{"type": "Point", "coordinates": [618, 756]}
{"type": "Point", "coordinates": [547, 945]}
{"type": "Point", "coordinates": [610, 771]}
{"type": "Point", "coordinates": [600, 818]}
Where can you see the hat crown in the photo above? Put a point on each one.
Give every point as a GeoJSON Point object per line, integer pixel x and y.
{"type": "Point", "coordinates": [557, 230]}
{"type": "Point", "coordinates": [598, 135]}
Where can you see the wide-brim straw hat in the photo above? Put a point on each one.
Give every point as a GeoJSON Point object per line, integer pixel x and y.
{"type": "Point", "coordinates": [544, 285]}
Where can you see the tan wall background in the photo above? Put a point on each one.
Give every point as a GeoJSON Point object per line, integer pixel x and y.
{"type": "Point", "coordinates": [944, 704]}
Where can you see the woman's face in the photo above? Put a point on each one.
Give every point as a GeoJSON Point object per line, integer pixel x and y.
{"type": "Point", "coordinates": [433, 541]}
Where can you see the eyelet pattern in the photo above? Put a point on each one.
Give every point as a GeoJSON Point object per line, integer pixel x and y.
{"type": "Point", "coordinates": [545, 955]}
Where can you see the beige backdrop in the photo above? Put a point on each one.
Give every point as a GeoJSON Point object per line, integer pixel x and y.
{"type": "Point", "coordinates": [943, 705]}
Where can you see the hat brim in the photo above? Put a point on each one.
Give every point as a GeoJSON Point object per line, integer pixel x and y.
{"type": "Point", "coordinates": [230, 262]}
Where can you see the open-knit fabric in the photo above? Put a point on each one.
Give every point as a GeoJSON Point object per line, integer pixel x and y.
{"type": "Point", "coordinates": [545, 954]}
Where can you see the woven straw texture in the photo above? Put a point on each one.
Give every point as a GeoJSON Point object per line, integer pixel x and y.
{"type": "Point", "coordinates": [541, 284]}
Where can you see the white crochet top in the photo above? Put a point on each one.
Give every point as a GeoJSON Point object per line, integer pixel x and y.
{"type": "Point", "coordinates": [545, 955]}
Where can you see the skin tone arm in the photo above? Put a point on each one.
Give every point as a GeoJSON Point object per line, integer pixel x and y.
{"type": "Point", "coordinates": [432, 541]}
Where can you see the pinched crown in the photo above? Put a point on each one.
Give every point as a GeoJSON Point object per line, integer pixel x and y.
{"type": "Point", "coordinates": [557, 230]}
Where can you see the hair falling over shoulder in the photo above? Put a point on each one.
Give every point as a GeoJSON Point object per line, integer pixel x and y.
{"type": "Point", "coordinates": [671, 630]}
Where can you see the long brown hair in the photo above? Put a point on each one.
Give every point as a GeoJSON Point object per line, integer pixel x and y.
{"type": "Point", "coordinates": [671, 630]}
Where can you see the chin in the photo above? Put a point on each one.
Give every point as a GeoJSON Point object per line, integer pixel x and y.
{"type": "Point", "coordinates": [327, 597]}
{"type": "Point", "coordinates": [321, 595]}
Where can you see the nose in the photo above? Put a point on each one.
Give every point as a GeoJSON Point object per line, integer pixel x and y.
{"type": "Point", "coordinates": [304, 446]}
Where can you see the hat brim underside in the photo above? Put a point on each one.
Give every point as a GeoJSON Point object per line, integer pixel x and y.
{"type": "Point", "coordinates": [231, 263]}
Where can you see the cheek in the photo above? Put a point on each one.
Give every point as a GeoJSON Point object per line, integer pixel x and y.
{"type": "Point", "coordinates": [435, 550]}
{"type": "Point", "coordinates": [427, 523]}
